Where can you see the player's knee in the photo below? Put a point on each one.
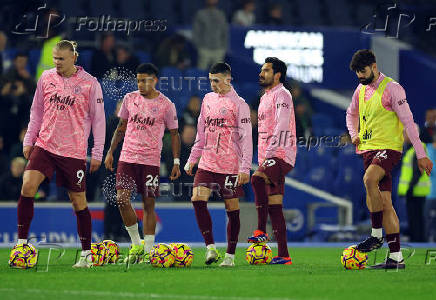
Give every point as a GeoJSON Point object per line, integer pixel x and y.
{"type": "Point", "coordinates": [370, 181]}
{"type": "Point", "coordinates": [29, 188]}
{"type": "Point", "coordinates": [195, 197]}
{"type": "Point", "coordinates": [387, 206]}
{"type": "Point", "coordinates": [232, 205]}
{"type": "Point", "coordinates": [257, 179]}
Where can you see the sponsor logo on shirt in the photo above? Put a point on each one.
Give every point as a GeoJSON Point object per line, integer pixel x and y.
{"type": "Point", "coordinates": [218, 122]}
{"type": "Point", "coordinates": [367, 135]}
{"type": "Point", "coordinates": [142, 122]}
{"type": "Point", "coordinates": [401, 102]}
{"type": "Point", "coordinates": [245, 120]}
{"type": "Point", "coordinates": [62, 100]}
{"type": "Point", "coordinates": [285, 105]}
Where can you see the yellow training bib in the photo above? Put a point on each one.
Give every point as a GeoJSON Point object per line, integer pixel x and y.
{"type": "Point", "coordinates": [379, 128]}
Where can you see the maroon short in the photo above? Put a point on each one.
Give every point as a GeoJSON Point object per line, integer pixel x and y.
{"type": "Point", "coordinates": [276, 170]}
{"type": "Point", "coordinates": [70, 172]}
{"type": "Point", "coordinates": [387, 160]}
{"type": "Point", "coordinates": [223, 184]}
{"type": "Point", "coordinates": [142, 178]}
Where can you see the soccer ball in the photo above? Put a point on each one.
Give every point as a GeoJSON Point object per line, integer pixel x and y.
{"type": "Point", "coordinates": [183, 256]}
{"type": "Point", "coordinates": [161, 256]}
{"type": "Point", "coordinates": [353, 259]}
{"type": "Point", "coordinates": [23, 256]}
{"type": "Point", "coordinates": [113, 252]}
{"type": "Point", "coordinates": [98, 254]}
{"type": "Point", "coordinates": [258, 254]}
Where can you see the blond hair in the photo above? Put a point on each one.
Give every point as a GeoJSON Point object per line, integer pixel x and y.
{"type": "Point", "coordinates": [68, 45]}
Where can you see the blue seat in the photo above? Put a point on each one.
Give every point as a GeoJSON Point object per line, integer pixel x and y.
{"type": "Point", "coordinates": [102, 7]}
{"type": "Point", "coordinates": [300, 169]}
{"type": "Point", "coordinates": [319, 177]}
{"type": "Point", "coordinates": [180, 102]}
{"type": "Point", "coordinates": [249, 91]}
{"type": "Point", "coordinates": [84, 59]}
{"type": "Point", "coordinates": [134, 9]}
{"type": "Point", "coordinates": [189, 9]}
{"type": "Point", "coordinates": [72, 8]}
{"type": "Point", "coordinates": [143, 56]}
{"type": "Point", "coordinates": [34, 56]}
{"type": "Point", "coordinates": [164, 9]}
{"type": "Point", "coordinates": [310, 12]}
{"type": "Point", "coordinates": [320, 122]}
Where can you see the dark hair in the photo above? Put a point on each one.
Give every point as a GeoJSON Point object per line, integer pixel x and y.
{"type": "Point", "coordinates": [220, 67]}
{"type": "Point", "coordinates": [362, 59]}
{"type": "Point", "coordinates": [278, 66]}
{"type": "Point", "coordinates": [147, 68]}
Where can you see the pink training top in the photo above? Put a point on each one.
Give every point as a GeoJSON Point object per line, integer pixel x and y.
{"type": "Point", "coordinates": [393, 99]}
{"type": "Point", "coordinates": [277, 137]}
{"type": "Point", "coordinates": [147, 119]}
{"type": "Point", "coordinates": [63, 112]}
{"type": "Point", "coordinates": [224, 139]}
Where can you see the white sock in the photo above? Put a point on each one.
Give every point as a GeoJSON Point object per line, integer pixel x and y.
{"type": "Point", "coordinates": [148, 242]}
{"type": "Point", "coordinates": [232, 256]}
{"type": "Point", "coordinates": [134, 234]}
{"type": "Point", "coordinates": [397, 256]}
{"type": "Point", "coordinates": [377, 232]}
{"type": "Point", "coordinates": [22, 241]}
{"type": "Point", "coordinates": [211, 246]}
{"type": "Point", "coordinates": [85, 253]}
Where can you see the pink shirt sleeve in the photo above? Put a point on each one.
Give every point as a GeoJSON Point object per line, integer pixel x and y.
{"type": "Point", "coordinates": [124, 112]}
{"type": "Point", "coordinates": [400, 106]}
{"type": "Point", "coordinates": [36, 114]}
{"type": "Point", "coordinates": [171, 121]}
{"type": "Point", "coordinates": [245, 139]}
{"type": "Point", "coordinates": [352, 118]}
{"type": "Point", "coordinates": [197, 148]}
{"type": "Point", "coordinates": [98, 120]}
{"type": "Point", "coordinates": [284, 113]}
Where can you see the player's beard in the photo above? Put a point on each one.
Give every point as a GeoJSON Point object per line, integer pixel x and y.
{"type": "Point", "coordinates": [265, 83]}
{"type": "Point", "coordinates": [366, 81]}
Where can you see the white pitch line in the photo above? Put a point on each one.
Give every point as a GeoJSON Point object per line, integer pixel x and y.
{"type": "Point", "coordinates": [131, 294]}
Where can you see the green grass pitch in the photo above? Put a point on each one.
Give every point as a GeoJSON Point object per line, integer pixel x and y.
{"type": "Point", "coordinates": [316, 273]}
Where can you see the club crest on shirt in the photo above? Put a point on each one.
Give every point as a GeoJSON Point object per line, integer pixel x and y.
{"type": "Point", "coordinates": [223, 111]}
{"type": "Point", "coordinates": [154, 109]}
{"type": "Point", "coordinates": [77, 90]}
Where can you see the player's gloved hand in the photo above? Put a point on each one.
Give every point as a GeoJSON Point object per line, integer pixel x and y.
{"type": "Point", "coordinates": [243, 178]}
{"type": "Point", "coordinates": [26, 151]}
{"type": "Point", "coordinates": [95, 165]}
{"type": "Point", "coordinates": [108, 162]}
{"type": "Point", "coordinates": [425, 165]}
{"type": "Point", "coordinates": [175, 173]}
{"type": "Point", "coordinates": [188, 168]}
{"type": "Point", "coordinates": [356, 140]}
